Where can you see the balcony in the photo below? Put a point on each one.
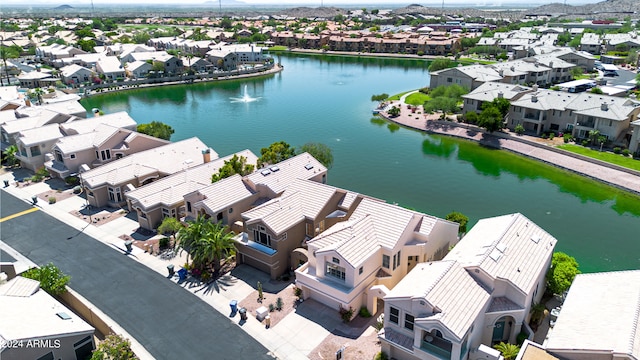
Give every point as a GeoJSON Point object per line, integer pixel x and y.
{"type": "Point", "coordinates": [243, 239]}
{"type": "Point", "coordinates": [534, 116]}
{"type": "Point", "coordinates": [437, 347]}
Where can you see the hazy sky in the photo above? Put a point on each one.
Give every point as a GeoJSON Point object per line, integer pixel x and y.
{"type": "Point", "coordinates": [305, 2]}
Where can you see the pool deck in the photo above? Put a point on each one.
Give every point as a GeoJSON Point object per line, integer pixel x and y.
{"type": "Point", "coordinates": [533, 147]}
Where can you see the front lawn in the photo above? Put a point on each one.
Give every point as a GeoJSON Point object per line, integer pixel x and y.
{"type": "Point", "coordinates": [417, 98]}
{"type": "Point", "coordinates": [470, 61]}
{"type": "Point", "coordinates": [398, 96]}
{"type": "Point", "coordinates": [612, 158]}
{"type": "Point", "coordinates": [278, 48]}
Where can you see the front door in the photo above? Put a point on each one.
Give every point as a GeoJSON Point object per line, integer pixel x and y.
{"type": "Point", "coordinates": [498, 331]}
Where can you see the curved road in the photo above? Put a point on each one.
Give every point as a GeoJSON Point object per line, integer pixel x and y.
{"type": "Point", "coordinates": [170, 322]}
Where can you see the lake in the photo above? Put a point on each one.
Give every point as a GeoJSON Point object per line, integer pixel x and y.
{"type": "Point", "coordinates": [327, 99]}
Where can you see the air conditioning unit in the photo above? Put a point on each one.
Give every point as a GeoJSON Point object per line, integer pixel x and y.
{"type": "Point", "coordinates": [485, 353]}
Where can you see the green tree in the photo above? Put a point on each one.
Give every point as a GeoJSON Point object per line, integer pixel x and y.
{"type": "Point", "coordinates": [215, 245]}
{"type": "Point", "coordinates": [275, 153]}
{"type": "Point", "coordinates": [576, 72]}
{"type": "Point", "coordinates": [564, 269]}
{"type": "Point", "coordinates": [10, 155]}
{"type": "Point", "coordinates": [501, 104]}
{"type": "Point", "coordinates": [52, 280]}
{"type": "Point", "coordinates": [508, 351]}
{"type": "Point", "coordinates": [459, 218]}
{"type": "Point", "coordinates": [141, 37]}
{"type": "Point", "coordinates": [157, 66]}
{"type": "Point", "coordinates": [490, 118]}
{"type": "Point", "coordinates": [87, 45]}
{"type": "Point", "coordinates": [439, 64]}
{"type": "Point", "coordinates": [188, 236]}
{"type": "Point", "coordinates": [394, 111]}
{"type": "Point", "coordinates": [170, 225]}
{"type": "Point", "coordinates": [156, 129]}
{"type": "Point", "coordinates": [235, 165]}
{"type": "Point", "coordinates": [114, 347]}
{"type": "Point", "coordinates": [320, 152]}
{"type": "Point", "coordinates": [380, 97]}
{"type": "Point", "coordinates": [537, 313]}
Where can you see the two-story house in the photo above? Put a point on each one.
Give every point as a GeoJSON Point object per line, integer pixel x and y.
{"type": "Point", "coordinates": [106, 185]}
{"type": "Point", "coordinates": [356, 262]}
{"type": "Point", "coordinates": [489, 91]}
{"type": "Point", "coordinates": [166, 197]}
{"type": "Point", "coordinates": [479, 294]}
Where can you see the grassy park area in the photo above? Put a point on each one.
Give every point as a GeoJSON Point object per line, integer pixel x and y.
{"type": "Point", "coordinates": [609, 157]}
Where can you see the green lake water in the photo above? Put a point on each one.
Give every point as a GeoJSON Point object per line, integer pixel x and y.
{"type": "Point", "coordinates": [327, 99]}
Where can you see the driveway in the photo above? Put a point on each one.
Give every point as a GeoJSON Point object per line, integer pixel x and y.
{"type": "Point", "coordinates": [170, 322]}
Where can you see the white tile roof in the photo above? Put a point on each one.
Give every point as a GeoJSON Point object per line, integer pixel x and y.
{"type": "Point", "coordinates": [36, 119]}
{"type": "Point", "coordinates": [600, 314]}
{"type": "Point", "coordinates": [224, 193]}
{"type": "Point", "coordinates": [71, 107]}
{"type": "Point", "coordinates": [302, 199]}
{"type": "Point", "coordinates": [303, 166]}
{"type": "Point", "coordinates": [39, 135]}
{"type": "Point", "coordinates": [449, 288]}
{"type": "Point", "coordinates": [102, 132]}
{"type": "Point", "coordinates": [390, 221]}
{"type": "Point", "coordinates": [31, 316]}
{"type": "Point", "coordinates": [490, 90]}
{"type": "Point", "coordinates": [171, 189]}
{"type": "Point", "coordinates": [110, 64]}
{"type": "Point", "coordinates": [509, 247]}
{"type": "Point", "coordinates": [167, 159]}
{"type": "Point", "coordinates": [119, 119]}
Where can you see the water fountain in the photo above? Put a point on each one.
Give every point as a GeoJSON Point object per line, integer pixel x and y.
{"type": "Point", "coordinates": [245, 97]}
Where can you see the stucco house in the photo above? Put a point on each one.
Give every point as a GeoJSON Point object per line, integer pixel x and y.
{"type": "Point", "coordinates": [479, 294]}
{"type": "Point", "coordinates": [75, 74]}
{"type": "Point", "coordinates": [469, 77]}
{"type": "Point", "coordinates": [356, 262]}
{"type": "Point", "coordinates": [138, 69]}
{"type": "Point", "coordinates": [276, 232]}
{"type": "Point", "coordinates": [634, 143]}
{"type": "Point", "coordinates": [95, 145]}
{"type": "Point", "coordinates": [166, 197]}
{"type": "Point", "coordinates": [34, 143]}
{"type": "Point", "coordinates": [599, 318]}
{"type": "Point", "coordinates": [106, 185]}
{"type": "Point", "coordinates": [110, 67]}
{"type": "Point", "coordinates": [489, 91]}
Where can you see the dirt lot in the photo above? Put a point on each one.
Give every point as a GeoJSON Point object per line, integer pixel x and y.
{"type": "Point", "coordinates": [289, 301]}
{"type": "Point", "coordinates": [364, 347]}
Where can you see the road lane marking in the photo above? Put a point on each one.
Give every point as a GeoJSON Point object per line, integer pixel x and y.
{"type": "Point", "coordinates": [19, 214]}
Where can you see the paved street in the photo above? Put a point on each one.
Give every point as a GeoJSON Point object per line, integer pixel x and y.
{"type": "Point", "coordinates": [168, 321]}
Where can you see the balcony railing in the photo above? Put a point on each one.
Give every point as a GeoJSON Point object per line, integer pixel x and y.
{"type": "Point", "coordinates": [437, 351]}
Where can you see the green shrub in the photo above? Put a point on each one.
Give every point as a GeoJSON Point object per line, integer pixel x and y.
{"type": "Point", "coordinates": [52, 280]}
{"type": "Point", "coordinates": [164, 242]}
{"type": "Point", "coordinates": [297, 292]}
{"type": "Point", "coordinates": [544, 136]}
{"type": "Point", "coordinates": [471, 117]}
{"type": "Point", "coordinates": [521, 338]}
{"type": "Point", "coordinates": [364, 312]}
{"type": "Point", "coordinates": [272, 307]}
{"type": "Point", "coordinates": [585, 142]}
{"type": "Point", "coordinates": [381, 356]}
{"type": "Point", "coordinates": [519, 129]}
{"type": "Point", "coordinates": [552, 135]}
{"type": "Point", "coordinates": [346, 314]}
{"type": "Point", "coordinates": [279, 304]}
{"type": "Point", "coordinates": [52, 200]}
{"type": "Point", "coordinates": [626, 152]}
{"type": "Point", "coordinates": [617, 150]}
{"type": "Point", "coordinates": [566, 138]}
{"type": "Point", "coordinates": [72, 180]}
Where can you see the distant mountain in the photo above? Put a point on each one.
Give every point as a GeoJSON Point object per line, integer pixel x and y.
{"type": "Point", "coordinates": [63, 7]}
{"type": "Point", "coordinates": [604, 9]}
{"type": "Point", "coordinates": [226, 2]}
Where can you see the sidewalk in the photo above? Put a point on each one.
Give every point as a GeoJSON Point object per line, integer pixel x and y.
{"type": "Point", "coordinates": [294, 337]}
{"type": "Point", "coordinates": [626, 180]}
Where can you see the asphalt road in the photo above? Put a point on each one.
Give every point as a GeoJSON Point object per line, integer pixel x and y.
{"type": "Point", "coordinates": [170, 322]}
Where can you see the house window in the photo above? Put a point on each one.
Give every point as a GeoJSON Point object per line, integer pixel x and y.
{"type": "Point", "coordinates": [449, 80]}
{"type": "Point", "coordinates": [58, 156]}
{"type": "Point", "coordinates": [260, 236]}
{"type": "Point", "coordinates": [114, 194]}
{"type": "Point", "coordinates": [335, 271]}
{"type": "Point", "coordinates": [35, 151]}
{"type": "Point", "coordinates": [219, 216]}
{"type": "Point", "coordinates": [610, 123]}
{"type": "Point", "coordinates": [97, 155]}
{"type": "Point", "coordinates": [360, 270]}
{"type": "Point", "coordinates": [385, 261]}
{"type": "Point", "coordinates": [309, 229]}
{"type": "Point", "coordinates": [188, 206]}
{"type": "Point", "coordinates": [398, 260]}
{"type": "Point", "coordinates": [73, 156]}
{"type": "Point", "coordinates": [168, 212]}
{"type": "Point", "coordinates": [119, 156]}
{"type": "Point", "coordinates": [408, 321]}
{"type": "Point", "coordinates": [230, 210]}
{"type": "Point", "coordinates": [336, 260]}
{"type": "Point", "coordinates": [394, 315]}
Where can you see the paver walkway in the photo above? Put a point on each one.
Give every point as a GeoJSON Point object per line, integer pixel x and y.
{"type": "Point", "coordinates": [519, 144]}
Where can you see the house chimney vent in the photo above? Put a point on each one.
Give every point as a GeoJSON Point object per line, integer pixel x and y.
{"type": "Point", "coordinates": [206, 155]}
{"type": "Point", "coordinates": [604, 106]}
{"type": "Point", "coordinates": [500, 95]}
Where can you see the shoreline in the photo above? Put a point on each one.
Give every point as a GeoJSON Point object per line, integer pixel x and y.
{"type": "Point", "coordinates": [609, 174]}
{"type": "Point", "coordinates": [125, 86]}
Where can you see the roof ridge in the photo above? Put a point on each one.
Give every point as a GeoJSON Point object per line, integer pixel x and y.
{"type": "Point", "coordinates": [442, 274]}
{"type": "Point", "coordinates": [634, 325]}
{"type": "Point", "coordinates": [499, 238]}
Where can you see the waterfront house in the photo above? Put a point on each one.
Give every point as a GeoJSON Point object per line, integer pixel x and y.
{"type": "Point", "coordinates": [489, 91]}
{"type": "Point", "coordinates": [138, 69]}
{"type": "Point", "coordinates": [356, 262]}
{"type": "Point", "coordinates": [111, 68]}
{"type": "Point", "coordinates": [479, 294]}
{"type": "Point", "coordinates": [34, 143]}
{"type": "Point", "coordinates": [166, 197]}
{"type": "Point", "coordinates": [276, 232]}
{"type": "Point", "coordinates": [170, 63]}
{"type": "Point", "coordinates": [105, 185]}
{"type": "Point", "coordinates": [28, 118]}
{"type": "Point", "coordinates": [222, 58]}
{"type": "Point", "coordinates": [75, 74]}
{"type": "Point", "coordinates": [39, 326]}
{"type": "Point", "coordinates": [94, 142]}
{"type": "Point", "coordinates": [469, 77]}
{"type": "Point", "coordinates": [634, 142]}
{"type": "Point", "coordinates": [599, 318]}
{"type": "Point", "coordinates": [36, 79]}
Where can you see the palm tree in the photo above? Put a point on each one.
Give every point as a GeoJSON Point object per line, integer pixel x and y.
{"type": "Point", "coordinates": [10, 155]}
{"type": "Point", "coordinates": [508, 351]}
{"type": "Point", "coordinates": [216, 244]}
{"type": "Point", "coordinates": [537, 313]}
{"type": "Point", "coordinates": [187, 237]}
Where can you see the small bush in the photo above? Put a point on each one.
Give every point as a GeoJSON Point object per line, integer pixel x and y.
{"type": "Point", "coordinates": [52, 200]}
{"type": "Point", "coordinates": [297, 292]}
{"type": "Point", "coordinates": [346, 314]}
{"type": "Point", "coordinates": [626, 152]}
{"type": "Point", "coordinates": [364, 312]}
{"type": "Point", "coordinates": [378, 325]}
{"type": "Point", "coordinates": [72, 180]}
{"type": "Point", "coordinates": [519, 129]}
{"type": "Point", "coordinates": [272, 307]}
{"type": "Point", "coordinates": [552, 135]}
{"type": "Point", "coordinates": [544, 136]}
{"type": "Point", "coordinates": [566, 138]}
{"type": "Point", "coordinates": [471, 117]}
{"type": "Point", "coordinates": [164, 242]}
{"type": "Point", "coordinates": [522, 336]}
{"type": "Point", "coordinates": [585, 142]}
{"type": "Point", "coordinates": [279, 304]}
{"type": "Point", "coordinates": [381, 356]}
{"type": "Point", "coordinates": [617, 150]}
